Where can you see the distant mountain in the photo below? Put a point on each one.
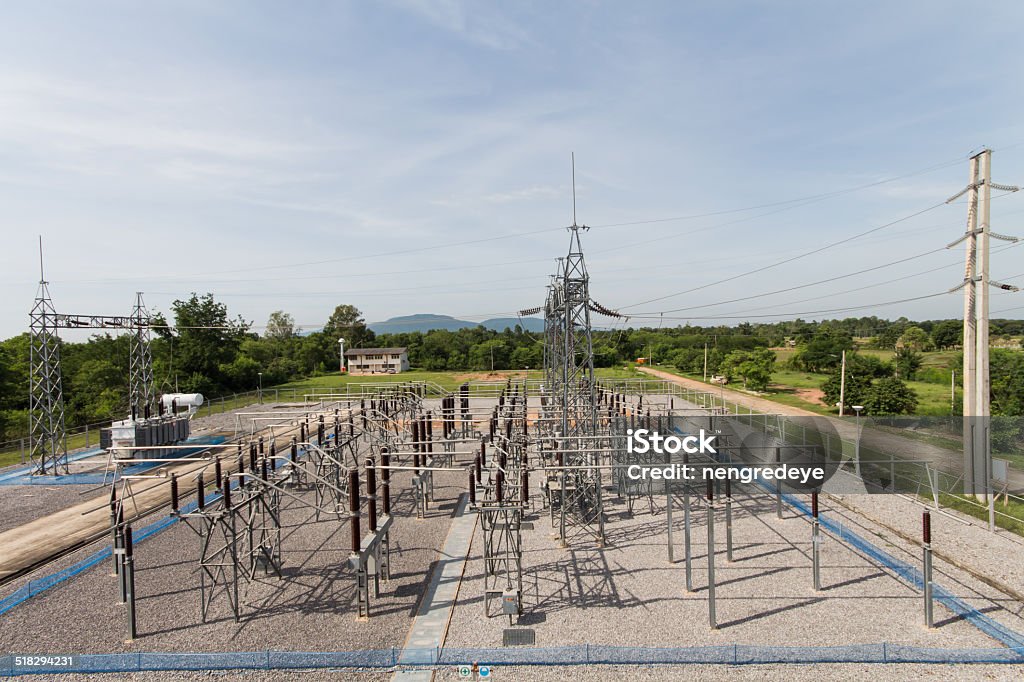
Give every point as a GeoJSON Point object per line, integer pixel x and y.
{"type": "Point", "coordinates": [530, 324]}
{"type": "Point", "coordinates": [424, 322]}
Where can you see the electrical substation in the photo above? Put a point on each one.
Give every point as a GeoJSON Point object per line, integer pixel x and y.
{"type": "Point", "coordinates": [401, 529]}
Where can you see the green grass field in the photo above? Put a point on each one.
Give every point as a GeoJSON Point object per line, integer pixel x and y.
{"type": "Point", "coordinates": [792, 388]}
{"type": "Point", "coordinates": [75, 441]}
{"type": "Point", "coordinates": [446, 380]}
{"type": "Point", "coordinates": [933, 399]}
{"type": "Point", "coordinates": [796, 379]}
{"type": "Point", "coordinates": [787, 384]}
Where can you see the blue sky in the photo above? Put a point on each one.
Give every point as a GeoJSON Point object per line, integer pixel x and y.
{"type": "Point", "coordinates": [285, 155]}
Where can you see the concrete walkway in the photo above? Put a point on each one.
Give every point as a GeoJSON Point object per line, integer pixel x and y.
{"type": "Point", "coordinates": [426, 636]}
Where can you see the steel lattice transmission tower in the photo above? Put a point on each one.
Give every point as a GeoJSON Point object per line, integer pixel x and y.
{"type": "Point", "coordinates": [48, 449]}
{"type": "Point", "coordinates": [142, 396]}
{"type": "Point", "coordinates": [573, 395]}
{"type": "Point", "coordinates": [579, 416]}
{"type": "Point", "coordinates": [48, 435]}
{"type": "Point", "coordinates": [553, 335]}
{"type": "Point", "coordinates": [571, 391]}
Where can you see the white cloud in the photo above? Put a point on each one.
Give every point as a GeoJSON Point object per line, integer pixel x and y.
{"type": "Point", "coordinates": [479, 23]}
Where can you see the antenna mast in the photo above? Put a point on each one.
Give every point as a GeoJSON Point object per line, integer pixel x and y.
{"type": "Point", "coordinates": [572, 156]}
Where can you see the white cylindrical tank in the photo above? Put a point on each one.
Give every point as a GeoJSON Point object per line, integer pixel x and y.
{"type": "Point", "coordinates": [190, 400]}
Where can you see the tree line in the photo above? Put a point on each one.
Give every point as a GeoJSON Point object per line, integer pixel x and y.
{"type": "Point", "coordinates": [206, 350]}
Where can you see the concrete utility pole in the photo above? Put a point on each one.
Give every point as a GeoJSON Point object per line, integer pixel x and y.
{"type": "Point", "coordinates": [705, 362]}
{"type": "Point", "coordinates": [976, 380]}
{"type": "Point", "coordinates": [982, 442]}
{"type": "Point", "coordinates": [952, 391]}
{"type": "Point", "coordinates": [842, 386]}
{"type": "Point", "coordinates": [970, 327]}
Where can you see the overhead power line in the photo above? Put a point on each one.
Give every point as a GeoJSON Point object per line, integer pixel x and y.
{"type": "Point", "coordinates": [785, 261]}
{"type": "Point", "coordinates": [827, 281]}
{"type": "Point", "coordinates": [802, 313]}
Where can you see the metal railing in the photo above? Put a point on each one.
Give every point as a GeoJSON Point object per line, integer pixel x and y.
{"type": "Point", "coordinates": [921, 480]}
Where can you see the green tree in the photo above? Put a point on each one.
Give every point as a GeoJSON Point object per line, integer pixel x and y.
{"type": "Point", "coordinates": [890, 332]}
{"type": "Point", "coordinates": [869, 365]}
{"type": "Point", "coordinates": [689, 360]}
{"type": "Point", "coordinates": [492, 354]}
{"type": "Point", "coordinates": [948, 334]}
{"type": "Point", "coordinates": [890, 396]}
{"type": "Point", "coordinates": [205, 340]}
{"type": "Point", "coordinates": [531, 356]}
{"type": "Point", "coordinates": [14, 373]}
{"type": "Point", "coordinates": [346, 322]}
{"type": "Point", "coordinates": [754, 367]}
{"type": "Point", "coordinates": [908, 361]}
{"type": "Point", "coordinates": [1006, 369]}
{"type": "Point", "coordinates": [280, 325]}
{"type": "Point", "coordinates": [99, 390]}
{"type": "Point", "coordinates": [858, 383]}
{"type": "Point", "coordinates": [824, 351]}
{"type": "Point", "coordinates": [915, 339]}
{"type": "Point", "coordinates": [243, 371]}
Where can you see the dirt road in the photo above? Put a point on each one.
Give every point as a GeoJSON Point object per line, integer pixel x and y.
{"type": "Point", "coordinates": [745, 399]}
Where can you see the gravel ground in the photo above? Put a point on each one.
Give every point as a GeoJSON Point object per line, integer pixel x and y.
{"type": "Point", "coordinates": [23, 503]}
{"type": "Point", "coordinates": [766, 673]}
{"type": "Point", "coordinates": [231, 676]}
{"type": "Point", "coordinates": [242, 418]}
{"type": "Point", "coordinates": [764, 597]}
{"type": "Point", "coordinates": [980, 593]}
{"type": "Point", "coordinates": [626, 594]}
{"type": "Point", "coordinates": [311, 609]}
{"type": "Point", "coordinates": [968, 544]}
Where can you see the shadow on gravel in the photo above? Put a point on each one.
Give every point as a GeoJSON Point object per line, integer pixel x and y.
{"type": "Point", "coordinates": [762, 554]}
{"type": "Point", "coordinates": [854, 581]}
{"type": "Point", "coordinates": [771, 612]}
{"type": "Point", "coordinates": [420, 588]}
{"type": "Point", "coordinates": [582, 580]}
{"type": "Point", "coordinates": [954, 619]}
{"type": "Point", "coordinates": [532, 618]}
{"type": "Point", "coordinates": [743, 578]}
